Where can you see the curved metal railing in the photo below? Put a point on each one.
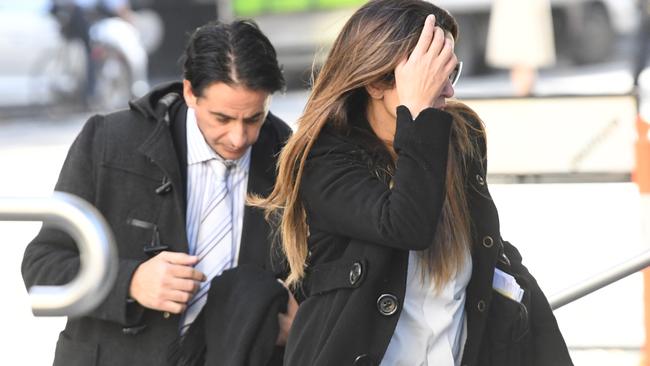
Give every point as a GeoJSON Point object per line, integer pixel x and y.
{"type": "Point", "coordinates": [601, 280]}
{"type": "Point", "coordinates": [94, 238]}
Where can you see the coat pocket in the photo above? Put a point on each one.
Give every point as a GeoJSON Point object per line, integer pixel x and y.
{"type": "Point", "coordinates": [74, 353]}
{"type": "Point", "coordinates": [508, 331]}
{"type": "Point", "coordinates": [335, 275]}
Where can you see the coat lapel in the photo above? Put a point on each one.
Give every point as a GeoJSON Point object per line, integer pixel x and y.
{"type": "Point", "coordinates": [255, 247]}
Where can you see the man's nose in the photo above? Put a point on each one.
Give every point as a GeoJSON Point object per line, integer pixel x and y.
{"type": "Point", "coordinates": [238, 136]}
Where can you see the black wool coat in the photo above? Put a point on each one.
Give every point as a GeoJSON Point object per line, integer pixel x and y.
{"type": "Point", "coordinates": [132, 165]}
{"type": "Point", "coordinates": [360, 233]}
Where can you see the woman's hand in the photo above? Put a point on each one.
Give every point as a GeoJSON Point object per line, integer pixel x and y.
{"type": "Point", "coordinates": [421, 77]}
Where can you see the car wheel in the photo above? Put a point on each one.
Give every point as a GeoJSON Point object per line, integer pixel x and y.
{"type": "Point", "coordinates": [113, 83]}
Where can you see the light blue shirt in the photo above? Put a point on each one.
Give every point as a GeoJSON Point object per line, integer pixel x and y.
{"type": "Point", "coordinates": [199, 151]}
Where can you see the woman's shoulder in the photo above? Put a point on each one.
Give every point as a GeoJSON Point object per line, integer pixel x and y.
{"type": "Point", "coordinates": [461, 110]}
{"type": "Point", "coordinates": [334, 144]}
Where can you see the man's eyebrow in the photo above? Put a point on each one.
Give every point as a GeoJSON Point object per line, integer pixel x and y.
{"type": "Point", "coordinates": [255, 116]}
{"type": "Point", "coordinates": [221, 115]}
{"type": "Point", "coordinates": [225, 116]}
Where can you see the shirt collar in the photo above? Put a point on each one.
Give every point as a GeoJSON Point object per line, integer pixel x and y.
{"type": "Point", "coordinates": [199, 151]}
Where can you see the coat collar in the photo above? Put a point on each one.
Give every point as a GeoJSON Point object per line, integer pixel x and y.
{"type": "Point", "coordinates": [159, 149]}
{"type": "Point", "coordinates": [167, 148]}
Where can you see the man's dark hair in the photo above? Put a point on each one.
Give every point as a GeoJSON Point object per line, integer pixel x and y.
{"type": "Point", "coordinates": [236, 54]}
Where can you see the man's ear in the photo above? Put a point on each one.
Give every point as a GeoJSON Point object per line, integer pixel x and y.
{"type": "Point", "coordinates": [376, 90]}
{"type": "Point", "coordinates": [188, 94]}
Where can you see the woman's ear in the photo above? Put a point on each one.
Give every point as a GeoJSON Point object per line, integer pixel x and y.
{"type": "Point", "coordinates": [376, 90]}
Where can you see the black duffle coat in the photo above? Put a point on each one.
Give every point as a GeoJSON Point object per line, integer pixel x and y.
{"type": "Point", "coordinates": [360, 233]}
{"type": "Point", "coordinates": [132, 164]}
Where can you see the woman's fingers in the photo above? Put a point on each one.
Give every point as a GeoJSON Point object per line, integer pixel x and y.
{"type": "Point", "coordinates": [426, 36]}
{"type": "Point", "coordinates": [401, 65]}
{"type": "Point", "coordinates": [439, 62]}
{"type": "Point", "coordinates": [438, 42]}
{"type": "Point", "coordinates": [451, 64]}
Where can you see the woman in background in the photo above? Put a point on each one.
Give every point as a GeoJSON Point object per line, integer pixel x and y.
{"type": "Point", "coordinates": [520, 38]}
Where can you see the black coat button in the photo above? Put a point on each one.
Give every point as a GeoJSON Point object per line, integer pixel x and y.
{"type": "Point", "coordinates": [488, 241]}
{"type": "Point", "coordinates": [480, 179]}
{"type": "Point", "coordinates": [363, 360]}
{"type": "Point", "coordinates": [355, 273]}
{"type": "Point", "coordinates": [481, 306]}
{"type": "Point", "coordinates": [387, 304]}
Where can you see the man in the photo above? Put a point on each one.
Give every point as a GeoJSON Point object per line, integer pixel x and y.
{"type": "Point", "coordinates": [159, 173]}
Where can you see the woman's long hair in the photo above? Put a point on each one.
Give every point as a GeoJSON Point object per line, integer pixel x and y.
{"type": "Point", "coordinates": [367, 50]}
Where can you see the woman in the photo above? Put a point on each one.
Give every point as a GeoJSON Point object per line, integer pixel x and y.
{"type": "Point", "coordinates": [520, 38]}
{"type": "Point", "coordinates": [385, 218]}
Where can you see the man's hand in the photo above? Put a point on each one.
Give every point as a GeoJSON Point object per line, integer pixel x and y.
{"type": "Point", "coordinates": [285, 320]}
{"type": "Point", "coordinates": [166, 282]}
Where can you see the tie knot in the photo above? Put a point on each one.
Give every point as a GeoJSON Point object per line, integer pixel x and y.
{"type": "Point", "coordinates": [221, 168]}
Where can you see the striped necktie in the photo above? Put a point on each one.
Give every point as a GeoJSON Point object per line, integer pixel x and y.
{"type": "Point", "coordinates": [214, 243]}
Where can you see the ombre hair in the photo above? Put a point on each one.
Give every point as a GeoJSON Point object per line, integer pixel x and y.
{"type": "Point", "coordinates": [367, 50]}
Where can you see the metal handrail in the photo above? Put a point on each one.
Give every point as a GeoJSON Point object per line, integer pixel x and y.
{"type": "Point", "coordinates": [599, 281]}
{"type": "Point", "coordinates": [98, 256]}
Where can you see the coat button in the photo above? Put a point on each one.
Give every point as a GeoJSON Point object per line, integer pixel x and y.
{"type": "Point", "coordinates": [481, 306]}
{"type": "Point", "coordinates": [355, 273]}
{"type": "Point", "coordinates": [363, 360]}
{"type": "Point", "coordinates": [480, 179]}
{"type": "Point", "coordinates": [166, 315]}
{"type": "Point", "coordinates": [387, 304]}
{"type": "Point", "coordinates": [488, 241]}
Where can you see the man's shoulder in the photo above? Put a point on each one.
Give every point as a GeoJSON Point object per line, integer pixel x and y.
{"type": "Point", "coordinates": [275, 132]}
{"type": "Point", "coordinates": [125, 123]}
{"type": "Point", "coordinates": [278, 126]}
{"type": "Point", "coordinates": [123, 129]}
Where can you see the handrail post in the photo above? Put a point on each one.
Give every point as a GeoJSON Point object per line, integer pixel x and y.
{"type": "Point", "coordinates": [97, 251]}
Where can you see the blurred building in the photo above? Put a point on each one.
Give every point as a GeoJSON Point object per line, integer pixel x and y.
{"type": "Point", "coordinates": [586, 31]}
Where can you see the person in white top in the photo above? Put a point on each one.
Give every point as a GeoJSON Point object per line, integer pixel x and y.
{"type": "Point", "coordinates": [389, 229]}
{"type": "Point", "coordinates": [520, 38]}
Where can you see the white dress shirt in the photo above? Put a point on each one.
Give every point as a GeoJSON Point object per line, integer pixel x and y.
{"type": "Point", "coordinates": [199, 151]}
{"type": "Point", "coordinates": [432, 327]}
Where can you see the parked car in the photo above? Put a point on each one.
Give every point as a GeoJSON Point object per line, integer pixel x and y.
{"type": "Point", "coordinates": [27, 34]}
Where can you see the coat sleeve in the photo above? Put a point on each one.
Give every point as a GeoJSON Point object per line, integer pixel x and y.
{"type": "Point", "coordinates": [52, 258]}
{"type": "Point", "coordinates": [342, 196]}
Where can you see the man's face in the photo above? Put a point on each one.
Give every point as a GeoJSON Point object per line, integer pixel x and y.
{"type": "Point", "coordinates": [229, 117]}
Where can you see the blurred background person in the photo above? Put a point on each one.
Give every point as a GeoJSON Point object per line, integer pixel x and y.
{"type": "Point", "coordinates": [75, 18]}
{"type": "Point", "coordinates": [643, 37]}
{"type": "Point", "coordinates": [520, 38]}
